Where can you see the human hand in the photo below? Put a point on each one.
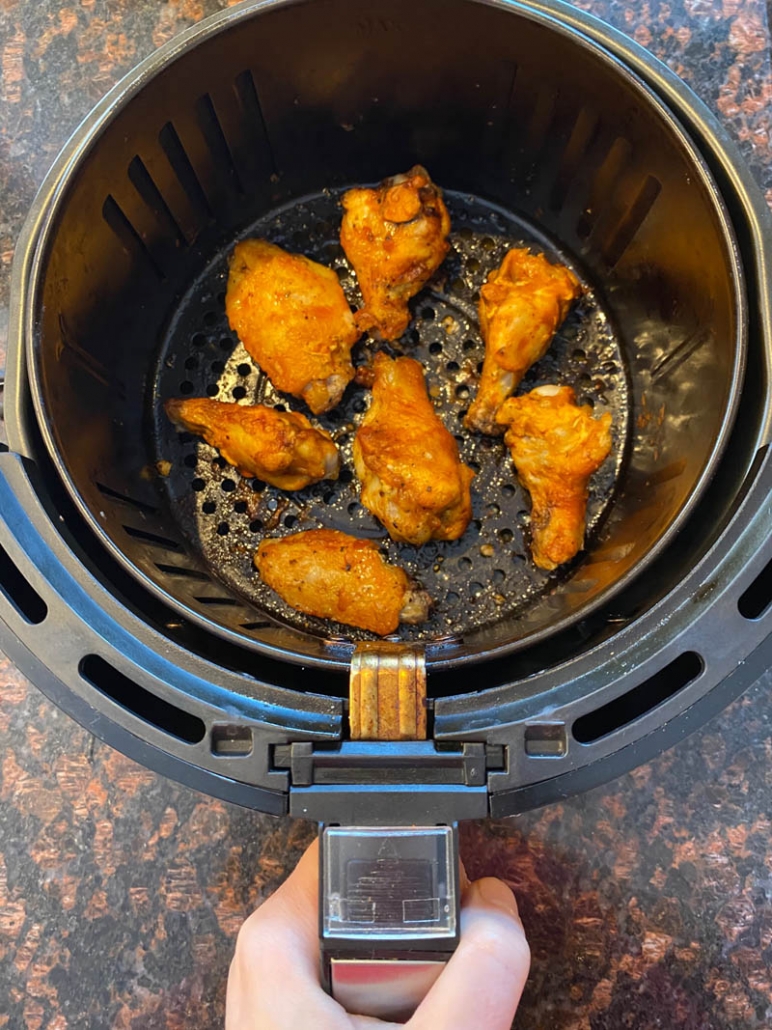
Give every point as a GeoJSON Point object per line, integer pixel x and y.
{"type": "Point", "coordinates": [274, 977]}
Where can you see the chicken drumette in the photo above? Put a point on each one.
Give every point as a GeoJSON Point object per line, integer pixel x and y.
{"type": "Point", "coordinates": [412, 477]}
{"type": "Point", "coordinates": [293, 318]}
{"type": "Point", "coordinates": [395, 237]}
{"type": "Point", "coordinates": [556, 446]}
{"type": "Point", "coordinates": [521, 306]}
{"type": "Point", "coordinates": [331, 575]}
{"type": "Point", "coordinates": [281, 448]}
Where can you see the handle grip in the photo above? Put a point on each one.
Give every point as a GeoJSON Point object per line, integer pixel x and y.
{"type": "Point", "coordinates": [389, 914]}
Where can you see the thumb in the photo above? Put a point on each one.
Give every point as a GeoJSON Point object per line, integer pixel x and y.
{"type": "Point", "coordinates": [482, 983]}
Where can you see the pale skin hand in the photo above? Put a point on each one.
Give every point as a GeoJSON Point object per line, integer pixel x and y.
{"type": "Point", "coordinates": [274, 977]}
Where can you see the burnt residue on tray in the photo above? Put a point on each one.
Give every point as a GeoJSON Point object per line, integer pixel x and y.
{"type": "Point", "coordinates": [485, 576]}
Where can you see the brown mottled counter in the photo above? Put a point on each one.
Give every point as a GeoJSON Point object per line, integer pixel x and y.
{"type": "Point", "coordinates": [648, 902]}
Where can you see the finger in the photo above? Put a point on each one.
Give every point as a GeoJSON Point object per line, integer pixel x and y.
{"type": "Point", "coordinates": [482, 983]}
{"type": "Point", "coordinates": [291, 913]}
{"type": "Point", "coordinates": [274, 978]}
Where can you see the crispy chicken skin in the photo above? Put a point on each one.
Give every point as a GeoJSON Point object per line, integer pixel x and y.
{"type": "Point", "coordinates": [412, 477]}
{"type": "Point", "coordinates": [281, 448]}
{"type": "Point", "coordinates": [293, 318]}
{"type": "Point", "coordinates": [556, 446]}
{"type": "Point", "coordinates": [521, 306]}
{"type": "Point", "coordinates": [329, 574]}
{"type": "Point", "coordinates": [395, 237]}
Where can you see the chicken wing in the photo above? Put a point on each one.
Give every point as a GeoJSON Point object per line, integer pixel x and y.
{"type": "Point", "coordinates": [521, 306]}
{"type": "Point", "coordinates": [395, 237]}
{"type": "Point", "coordinates": [329, 574]}
{"type": "Point", "coordinates": [281, 448]}
{"type": "Point", "coordinates": [293, 318]}
{"type": "Point", "coordinates": [556, 446]}
{"type": "Point", "coordinates": [407, 461]}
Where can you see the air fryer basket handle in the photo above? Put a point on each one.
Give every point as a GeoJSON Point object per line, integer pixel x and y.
{"type": "Point", "coordinates": [389, 873]}
{"type": "Point", "coordinates": [388, 879]}
{"type": "Point", "coordinates": [388, 914]}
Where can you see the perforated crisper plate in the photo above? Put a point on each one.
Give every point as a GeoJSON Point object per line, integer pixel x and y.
{"type": "Point", "coordinates": [487, 574]}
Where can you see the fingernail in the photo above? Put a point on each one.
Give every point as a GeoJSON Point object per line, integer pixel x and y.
{"type": "Point", "coordinates": [495, 892]}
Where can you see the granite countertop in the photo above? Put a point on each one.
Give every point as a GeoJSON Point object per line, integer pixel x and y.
{"type": "Point", "coordinates": [648, 902]}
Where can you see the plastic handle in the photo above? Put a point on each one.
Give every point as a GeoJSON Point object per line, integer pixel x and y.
{"type": "Point", "coordinates": [389, 914]}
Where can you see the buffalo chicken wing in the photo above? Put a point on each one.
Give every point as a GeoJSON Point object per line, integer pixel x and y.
{"type": "Point", "coordinates": [395, 237]}
{"type": "Point", "coordinates": [331, 575]}
{"type": "Point", "coordinates": [556, 446]}
{"type": "Point", "coordinates": [281, 448]}
{"type": "Point", "coordinates": [293, 318]}
{"type": "Point", "coordinates": [521, 306]}
{"type": "Point", "coordinates": [408, 464]}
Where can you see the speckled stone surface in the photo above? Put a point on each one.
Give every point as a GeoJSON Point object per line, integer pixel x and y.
{"type": "Point", "coordinates": [648, 902]}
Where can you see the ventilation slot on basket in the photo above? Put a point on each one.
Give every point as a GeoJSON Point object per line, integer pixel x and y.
{"type": "Point", "coordinates": [132, 502]}
{"type": "Point", "coordinates": [642, 699]}
{"type": "Point", "coordinates": [182, 570]}
{"type": "Point", "coordinates": [90, 365]}
{"type": "Point", "coordinates": [541, 119]}
{"type": "Point", "coordinates": [603, 185]}
{"type": "Point", "coordinates": [681, 353]}
{"type": "Point", "coordinates": [576, 149]}
{"type": "Point", "coordinates": [153, 538]}
{"type": "Point", "coordinates": [499, 122]}
{"type": "Point", "coordinates": [531, 116]}
{"type": "Point", "coordinates": [183, 169]}
{"type": "Point", "coordinates": [255, 625]}
{"type": "Point", "coordinates": [136, 699]}
{"type": "Point", "coordinates": [213, 133]}
{"type": "Point", "coordinates": [631, 221]}
{"type": "Point", "coordinates": [215, 601]}
{"type": "Point", "coordinates": [757, 598]}
{"type": "Point", "coordinates": [130, 239]}
{"type": "Point", "coordinates": [254, 120]}
{"type": "Point", "coordinates": [143, 183]}
{"type": "Point", "coordinates": [28, 602]}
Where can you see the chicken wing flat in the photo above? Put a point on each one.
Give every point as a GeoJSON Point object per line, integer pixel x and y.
{"type": "Point", "coordinates": [556, 446]}
{"type": "Point", "coordinates": [293, 318]}
{"type": "Point", "coordinates": [521, 306]}
{"type": "Point", "coordinates": [331, 575]}
{"type": "Point", "coordinates": [395, 237]}
{"type": "Point", "coordinates": [281, 448]}
{"type": "Point", "coordinates": [412, 477]}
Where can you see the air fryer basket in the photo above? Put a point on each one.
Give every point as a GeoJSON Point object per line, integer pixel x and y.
{"type": "Point", "coordinates": [513, 113]}
{"type": "Point", "coordinates": [215, 709]}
